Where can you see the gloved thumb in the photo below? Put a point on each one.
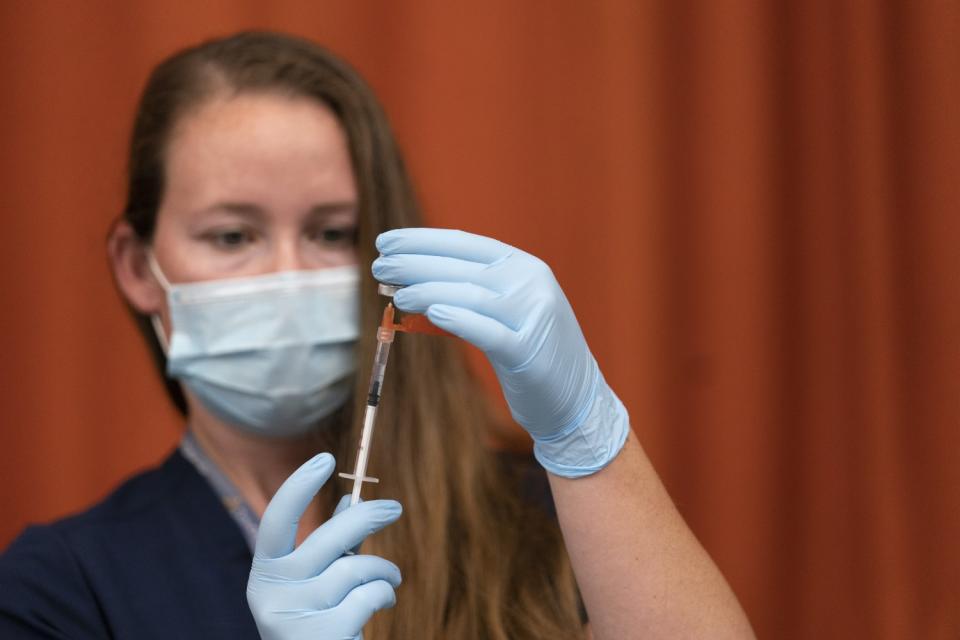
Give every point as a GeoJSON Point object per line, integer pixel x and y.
{"type": "Point", "coordinates": [343, 504]}
{"type": "Point", "coordinates": [278, 527]}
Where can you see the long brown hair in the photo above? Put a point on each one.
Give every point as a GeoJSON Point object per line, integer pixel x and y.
{"type": "Point", "coordinates": [476, 562]}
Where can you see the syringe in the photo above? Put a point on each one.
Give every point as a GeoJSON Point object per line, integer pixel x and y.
{"type": "Point", "coordinates": [411, 323]}
{"type": "Point", "coordinates": [385, 333]}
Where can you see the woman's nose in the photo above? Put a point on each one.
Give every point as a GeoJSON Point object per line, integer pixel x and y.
{"type": "Point", "coordinates": [288, 256]}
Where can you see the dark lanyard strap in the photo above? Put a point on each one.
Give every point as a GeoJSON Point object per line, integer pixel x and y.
{"type": "Point", "coordinates": [234, 503]}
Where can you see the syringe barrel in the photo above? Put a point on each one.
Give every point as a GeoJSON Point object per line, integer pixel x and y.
{"type": "Point", "coordinates": [377, 373]}
{"type": "Point", "coordinates": [363, 453]}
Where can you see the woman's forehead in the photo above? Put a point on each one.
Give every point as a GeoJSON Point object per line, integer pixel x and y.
{"type": "Point", "coordinates": [259, 145]}
{"type": "Point", "coordinates": [260, 122]}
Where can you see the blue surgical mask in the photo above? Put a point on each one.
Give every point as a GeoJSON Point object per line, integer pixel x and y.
{"type": "Point", "coordinates": [270, 354]}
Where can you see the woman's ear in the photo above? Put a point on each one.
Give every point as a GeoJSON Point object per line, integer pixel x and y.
{"type": "Point", "coordinates": [128, 257]}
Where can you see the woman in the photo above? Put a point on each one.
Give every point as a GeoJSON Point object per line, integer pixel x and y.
{"type": "Point", "coordinates": [263, 181]}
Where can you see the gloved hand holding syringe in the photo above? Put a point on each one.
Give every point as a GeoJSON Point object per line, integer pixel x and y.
{"type": "Point", "coordinates": [385, 333]}
{"type": "Point", "coordinates": [508, 304]}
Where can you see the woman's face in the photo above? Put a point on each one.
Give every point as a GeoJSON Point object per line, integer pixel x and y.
{"type": "Point", "coordinates": [256, 183]}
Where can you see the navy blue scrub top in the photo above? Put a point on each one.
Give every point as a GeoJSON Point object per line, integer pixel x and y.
{"type": "Point", "coordinates": [159, 558]}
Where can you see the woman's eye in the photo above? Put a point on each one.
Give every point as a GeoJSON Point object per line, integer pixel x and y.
{"type": "Point", "coordinates": [230, 239]}
{"type": "Point", "coordinates": [334, 235]}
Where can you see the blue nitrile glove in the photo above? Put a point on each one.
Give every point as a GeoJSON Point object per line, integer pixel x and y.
{"type": "Point", "coordinates": [314, 590]}
{"type": "Point", "coordinates": [508, 304]}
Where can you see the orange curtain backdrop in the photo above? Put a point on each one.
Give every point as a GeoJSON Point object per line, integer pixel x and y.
{"type": "Point", "coordinates": [752, 206]}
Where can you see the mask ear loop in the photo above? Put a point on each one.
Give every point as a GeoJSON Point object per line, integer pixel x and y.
{"type": "Point", "coordinates": [165, 284]}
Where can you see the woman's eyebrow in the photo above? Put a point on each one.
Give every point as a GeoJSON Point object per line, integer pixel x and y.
{"type": "Point", "coordinates": [251, 210]}
{"type": "Point", "coordinates": [244, 209]}
{"type": "Point", "coordinates": [346, 206]}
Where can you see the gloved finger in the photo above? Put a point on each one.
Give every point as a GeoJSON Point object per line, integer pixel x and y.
{"type": "Point", "coordinates": [349, 572]}
{"type": "Point", "coordinates": [418, 297]}
{"type": "Point", "coordinates": [487, 334]}
{"type": "Point", "coordinates": [361, 603]}
{"type": "Point", "coordinates": [338, 535]}
{"type": "Point", "coordinates": [343, 504]}
{"type": "Point", "coordinates": [277, 534]}
{"type": "Point", "coordinates": [411, 268]}
{"type": "Point", "coordinates": [451, 243]}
